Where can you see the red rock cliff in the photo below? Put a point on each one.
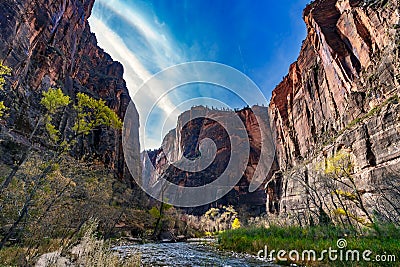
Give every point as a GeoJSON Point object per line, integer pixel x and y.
{"type": "Point", "coordinates": [341, 93]}
{"type": "Point", "coordinates": [49, 43]}
{"type": "Point", "coordinates": [348, 64]}
{"type": "Point", "coordinates": [184, 142]}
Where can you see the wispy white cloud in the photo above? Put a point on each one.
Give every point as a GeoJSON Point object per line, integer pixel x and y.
{"type": "Point", "coordinates": [135, 72]}
{"type": "Point", "coordinates": [162, 52]}
{"type": "Point", "coordinates": [165, 51]}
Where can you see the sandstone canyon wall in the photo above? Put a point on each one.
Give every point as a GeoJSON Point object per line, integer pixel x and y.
{"type": "Point", "coordinates": [49, 44]}
{"type": "Point", "coordinates": [341, 93]}
{"type": "Point", "coordinates": [184, 142]}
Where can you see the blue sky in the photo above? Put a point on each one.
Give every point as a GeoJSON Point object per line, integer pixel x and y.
{"type": "Point", "coordinates": [259, 38]}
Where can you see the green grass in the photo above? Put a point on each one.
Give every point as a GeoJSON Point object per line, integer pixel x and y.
{"type": "Point", "coordinates": [252, 240]}
{"type": "Point", "coordinates": [12, 256]}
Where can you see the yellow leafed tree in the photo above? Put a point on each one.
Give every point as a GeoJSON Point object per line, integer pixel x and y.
{"type": "Point", "coordinates": [236, 224]}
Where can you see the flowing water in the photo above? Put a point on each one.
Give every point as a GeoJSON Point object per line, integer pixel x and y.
{"type": "Point", "coordinates": [188, 254]}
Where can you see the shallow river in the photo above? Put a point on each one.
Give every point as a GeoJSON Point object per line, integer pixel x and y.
{"type": "Point", "coordinates": [188, 254]}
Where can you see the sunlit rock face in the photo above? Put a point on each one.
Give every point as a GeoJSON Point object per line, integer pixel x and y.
{"type": "Point", "coordinates": [49, 44]}
{"type": "Point", "coordinates": [184, 141]}
{"type": "Point", "coordinates": [348, 64]}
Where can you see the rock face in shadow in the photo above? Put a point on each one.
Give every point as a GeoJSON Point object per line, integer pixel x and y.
{"type": "Point", "coordinates": [49, 44]}
{"type": "Point", "coordinates": [185, 141]}
{"type": "Point", "coordinates": [339, 94]}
